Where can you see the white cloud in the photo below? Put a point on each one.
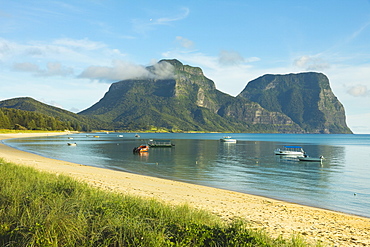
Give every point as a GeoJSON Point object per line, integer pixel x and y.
{"type": "Point", "coordinates": [143, 26]}
{"type": "Point", "coordinates": [350, 80]}
{"type": "Point", "coordinates": [26, 67]}
{"type": "Point", "coordinates": [194, 59]}
{"type": "Point", "coordinates": [6, 49]}
{"type": "Point", "coordinates": [34, 52]}
{"type": "Point", "coordinates": [51, 102]}
{"type": "Point", "coordinates": [162, 70]}
{"type": "Point", "coordinates": [62, 50]}
{"type": "Point", "coordinates": [119, 70]}
{"type": "Point", "coordinates": [184, 42]}
{"type": "Point", "coordinates": [358, 91]}
{"type": "Point", "coordinates": [85, 44]}
{"type": "Point", "coordinates": [50, 59]}
{"type": "Point", "coordinates": [230, 58]}
{"type": "Point", "coordinates": [178, 17]}
{"type": "Point", "coordinates": [356, 33]}
{"type": "Point", "coordinates": [311, 63]}
{"type": "Point", "coordinates": [302, 61]}
{"type": "Point", "coordinates": [56, 69]}
{"type": "Point", "coordinates": [122, 70]}
{"type": "Point", "coordinates": [52, 69]}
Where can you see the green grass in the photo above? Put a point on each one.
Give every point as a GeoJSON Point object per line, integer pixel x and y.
{"type": "Point", "coordinates": [42, 209]}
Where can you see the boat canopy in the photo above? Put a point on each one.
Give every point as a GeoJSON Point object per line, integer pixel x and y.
{"type": "Point", "coordinates": [160, 141]}
{"type": "Point", "coordinates": [292, 147]}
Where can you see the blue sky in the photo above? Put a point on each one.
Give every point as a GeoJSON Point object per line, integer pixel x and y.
{"type": "Point", "coordinates": [67, 53]}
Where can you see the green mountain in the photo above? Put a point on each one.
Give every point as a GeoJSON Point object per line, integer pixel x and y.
{"type": "Point", "coordinates": [26, 104]}
{"type": "Point", "coordinates": [306, 98]}
{"type": "Point", "coordinates": [184, 100]}
{"type": "Point", "coordinates": [178, 97]}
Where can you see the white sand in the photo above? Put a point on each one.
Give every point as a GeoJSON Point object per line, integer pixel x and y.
{"type": "Point", "coordinates": [275, 217]}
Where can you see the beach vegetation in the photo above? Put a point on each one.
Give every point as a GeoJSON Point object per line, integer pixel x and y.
{"type": "Point", "coordinates": [44, 209]}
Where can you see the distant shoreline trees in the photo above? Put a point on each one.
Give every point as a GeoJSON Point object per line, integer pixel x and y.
{"type": "Point", "coordinates": [15, 119]}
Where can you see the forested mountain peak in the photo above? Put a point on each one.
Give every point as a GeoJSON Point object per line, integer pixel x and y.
{"type": "Point", "coordinates": [178, 97]}
{"type": "Point", "coordinates": [305, 97]}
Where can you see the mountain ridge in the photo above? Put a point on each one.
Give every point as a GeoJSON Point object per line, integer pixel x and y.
{"type": "Point", "coordinates": [305, 97]}
{"type": "Point", "coordinates": [204, 108]}
{"type": "Point", "coordinates": [178, 97]}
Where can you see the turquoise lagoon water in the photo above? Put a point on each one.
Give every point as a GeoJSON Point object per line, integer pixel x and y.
{"type": "Point", "coordinates": [341, 182]}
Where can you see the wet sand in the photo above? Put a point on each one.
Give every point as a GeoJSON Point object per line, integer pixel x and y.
{"type": "Point", "coordinates": [275, 217]}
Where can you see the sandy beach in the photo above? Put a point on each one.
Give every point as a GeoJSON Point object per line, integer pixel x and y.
{"type": "Point", "coordinates": [275, 217]}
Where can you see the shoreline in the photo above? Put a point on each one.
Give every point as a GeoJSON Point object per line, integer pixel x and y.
{"type": "Point", "coordinates": [274, 216]}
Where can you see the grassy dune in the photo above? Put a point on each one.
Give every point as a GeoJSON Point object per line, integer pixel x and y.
{"type": "Point", "coordinates": [42, 209]}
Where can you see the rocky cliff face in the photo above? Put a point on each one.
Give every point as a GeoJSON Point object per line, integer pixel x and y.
{"type": "Point", "coordinates": [306, 98]}
{"type": "Point", "coordinates": [185, 99]}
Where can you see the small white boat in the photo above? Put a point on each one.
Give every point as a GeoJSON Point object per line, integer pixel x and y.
{"type": "Point", "coordinates": [72, 144]}
{"type": "Point", "coordinates": [311, 159]}
{"type": "Point", "coordinates": [228, 139]}
{"type": "Point", "coordinates": [137, 135]}
{"type": "Point", "coordinates": [290, 150]}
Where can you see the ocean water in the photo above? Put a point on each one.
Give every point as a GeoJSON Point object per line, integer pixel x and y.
{"type": "Point", "coordinates": [341, 182]}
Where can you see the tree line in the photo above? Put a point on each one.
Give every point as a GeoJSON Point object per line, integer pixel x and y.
{"type": "Point", "coordinates": [15, 119]}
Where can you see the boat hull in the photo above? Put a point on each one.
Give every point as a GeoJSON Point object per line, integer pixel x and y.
{"type": "Point", "coordinates": [310, 159]}
{"type": "Point", "coordinates": [292, 153]}
{"type": "Point", "coordinates": [228, 139]}
{"type": "Point", "coordinates": [290, 150]}
{"type": "Point", "coordinates": [161, 145]}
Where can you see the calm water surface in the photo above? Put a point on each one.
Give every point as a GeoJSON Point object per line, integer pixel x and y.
{"type": "Point", "coordinates": [341, 182]}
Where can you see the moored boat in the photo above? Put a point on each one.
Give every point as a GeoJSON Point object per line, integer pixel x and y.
{"type": "Point", "coordinates": [141, 148]}
{"type": "Point", "coordinates": [311, 159]}
{"type": "Point", "coordinates": [72, 144]}
{"type": "Point", "coordinates": [160, 143]}
{"type": "Point", "coordinates": [290, 150]}
{"type": "Point", "coordinates": [228, 139]}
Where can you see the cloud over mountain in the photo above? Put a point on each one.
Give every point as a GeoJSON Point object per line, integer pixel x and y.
{"type": "Point", "coordinates": [311, 63]}
{"type": "Point", "coordinates": [121, 70]}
